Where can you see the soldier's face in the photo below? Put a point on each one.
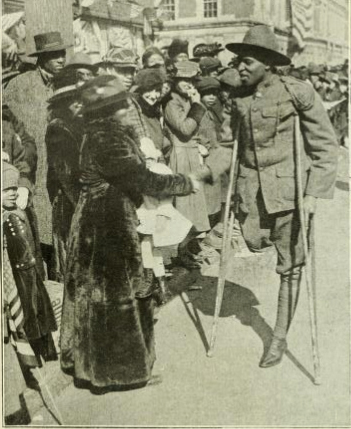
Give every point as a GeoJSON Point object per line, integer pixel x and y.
{"type": "Point", "coordinates": [251, 71]}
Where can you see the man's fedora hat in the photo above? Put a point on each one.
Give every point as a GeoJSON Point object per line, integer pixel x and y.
{"type": "Point", "coordinates": [261, 40]}
{"type": "Point", "coordinates": [80, 60]}
{"type": "Point", "coordinates": [48, 42]}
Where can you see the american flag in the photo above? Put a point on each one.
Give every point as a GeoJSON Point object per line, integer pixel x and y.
{"type": "Point", "coordinates": [302, 20]}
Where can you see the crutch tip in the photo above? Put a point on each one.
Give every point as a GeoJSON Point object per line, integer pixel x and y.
{"type": "Point", "coordinates": [210, 353]}
{"type": "Point", "coordinates": [317, 381]}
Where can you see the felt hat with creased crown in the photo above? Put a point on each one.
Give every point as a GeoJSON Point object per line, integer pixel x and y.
{"type": "Point", "coordinates": [81, 60]}
{"type": "Point", "coordinates": [48, 42]}
{"type": "Point", "coordinates": [260, 40]}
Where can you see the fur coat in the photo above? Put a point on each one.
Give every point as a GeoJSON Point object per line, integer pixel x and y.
{"type": "Point", "coordinates": [63, 141]}
{"type": "Point", "coordinates": [107, 334]}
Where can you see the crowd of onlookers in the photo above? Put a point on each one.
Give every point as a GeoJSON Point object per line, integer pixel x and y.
{"type": "Point", "coordinates": [178, 112]}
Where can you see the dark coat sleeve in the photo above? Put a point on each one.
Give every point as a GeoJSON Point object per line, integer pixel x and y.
{"type": "Point", "coordinates": [21, 148]}
{"type": "Point", "coordinates": [63, 162]}
{"type": "Point", "coordinates": [121, 164]}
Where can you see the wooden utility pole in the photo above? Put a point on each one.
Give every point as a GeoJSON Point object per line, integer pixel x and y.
{"type": "Point", "coordinates": [43, 16]}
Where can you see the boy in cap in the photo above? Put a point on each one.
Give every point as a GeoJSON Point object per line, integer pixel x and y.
{"type": "Point", "coordinates": [122, 63]}
{"type": "Point", "coordinates": [264, 125]}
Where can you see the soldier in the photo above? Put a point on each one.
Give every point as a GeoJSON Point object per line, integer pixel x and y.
{"type": "Point", "coordinates": [266, 188]}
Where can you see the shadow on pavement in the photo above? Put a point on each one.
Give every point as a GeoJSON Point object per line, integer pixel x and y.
{"type": "Point", "coordinates": [343, 186]}
{"type": "Point", "coordinates": [239, 302]}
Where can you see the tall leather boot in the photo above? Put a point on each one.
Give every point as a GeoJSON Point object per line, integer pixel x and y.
{"type": "Point", "coordinates": [287, 303]}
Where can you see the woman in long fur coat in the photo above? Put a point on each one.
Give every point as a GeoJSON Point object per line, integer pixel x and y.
{"type": "Point", "coordinates": [107, 336]}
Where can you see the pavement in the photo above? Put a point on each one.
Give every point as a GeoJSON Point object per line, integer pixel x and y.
{"type": "Point", "coordinates": [190, 389]}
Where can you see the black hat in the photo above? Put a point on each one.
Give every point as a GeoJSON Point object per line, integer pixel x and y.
{"type": "Point", "coordinates": [149, 79]}
{"type": "Point", "coordinates": [260, 39]}
{"type": "Point", "coordinates": [48, 42]}
{"type": "Point", "coordinates": [102, 91]}
{"type": "Point", "coordinates": [177, 47]}
{"type": "Point", "coordinates": [64, 85]}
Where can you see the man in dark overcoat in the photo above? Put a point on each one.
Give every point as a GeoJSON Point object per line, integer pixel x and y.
{"type": "Point", "coordinates": [27, 96]}
{"type": "Point", "coordinates": [266, 187]}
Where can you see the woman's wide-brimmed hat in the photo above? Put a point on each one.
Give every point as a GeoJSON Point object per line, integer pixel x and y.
{"type": "Point", "coordinates": [102, 91]}
{"type": "Point", "coordinates": [186, 70]}
{"type": "Point", "coordinates": [48, 42]}
{"type": "Point", "coordinates": [260, 40]}
{"type": "Point", "coordinates": [80, 60]}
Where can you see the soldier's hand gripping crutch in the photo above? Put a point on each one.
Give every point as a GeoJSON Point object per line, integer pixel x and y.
{"type": "Point", "coordinates": [307, 231]}
{"type": "Point", "coordinates": [226, 239]}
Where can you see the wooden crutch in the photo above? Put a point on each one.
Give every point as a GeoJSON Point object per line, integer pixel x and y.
{"type": "Point", "coordinates": [226, 239]}
{"type": "Point", "coordinates": [308, 246]}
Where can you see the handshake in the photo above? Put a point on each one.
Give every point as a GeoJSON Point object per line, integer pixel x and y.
{"type": "Point", "coordinates": [200, 175]}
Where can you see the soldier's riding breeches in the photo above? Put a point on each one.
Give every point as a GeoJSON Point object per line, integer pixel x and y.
{"type": "Point", "coordinates": [282, 230]}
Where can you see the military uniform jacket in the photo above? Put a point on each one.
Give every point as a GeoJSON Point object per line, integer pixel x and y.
{"type": "Point", "coordinates": [264, 123]}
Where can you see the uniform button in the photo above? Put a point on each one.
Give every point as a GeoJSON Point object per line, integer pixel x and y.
{"type": "Point", "coordinates": [261, 168]}
{"type": "Point", "coordinates": [258, 148]}
{"type": "Point", "coordinates": [255, 130]}
{"type": "Point", "coordinates": [254, 109]}
{"type": "Point", "coordinates": [17, 266]}
{"type": "Point", "coordinates": [13, 233]}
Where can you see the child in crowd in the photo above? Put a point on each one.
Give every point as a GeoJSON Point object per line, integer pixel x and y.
{"type": "Point", "coordinates": [30, 317]}
{"type": "Point", "coordinates": [163, 227]}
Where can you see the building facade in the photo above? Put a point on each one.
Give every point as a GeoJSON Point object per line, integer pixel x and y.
{"type": "Point", "coordinates": [323, 24]}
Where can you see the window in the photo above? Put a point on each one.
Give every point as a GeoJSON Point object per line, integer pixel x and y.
{"type": "Point", "coordinates": [168, 7]}
{"type": "Point", "coordinates": [210, 8]}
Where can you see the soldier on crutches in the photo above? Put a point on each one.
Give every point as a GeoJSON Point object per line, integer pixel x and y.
{"type": "Point", "coordinates": [267, 183]}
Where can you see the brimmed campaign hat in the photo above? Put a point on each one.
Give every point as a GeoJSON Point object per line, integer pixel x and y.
{"type": "Point", "coordinates": [186, 70]}
{"type": "Point", "coordinates": [64, 85]}
{"type": "Point", "coordinates": [102, 91]}
{"type": "Point", "coordinates": [260, 39]}
{"type": "Point", "coordinates": [48, 42]}
{"type": "Point", "coordinates": [81, 60]}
